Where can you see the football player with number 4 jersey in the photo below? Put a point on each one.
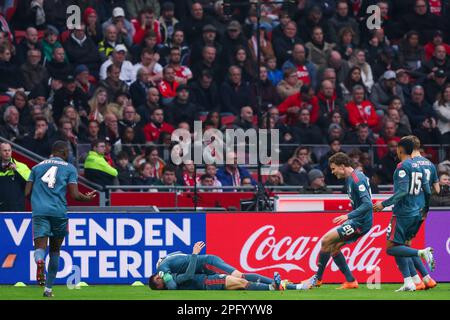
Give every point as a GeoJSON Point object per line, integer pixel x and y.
{"type": "Point", "coordinates": [354, 225]}
{"type": "Point", "coordinates": [47, 186]}
{"type": "Point", "coordinates": [410, 186]}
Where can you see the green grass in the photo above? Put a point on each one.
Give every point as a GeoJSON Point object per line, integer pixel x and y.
{"type": "Point", "coordinates": [124, 292]}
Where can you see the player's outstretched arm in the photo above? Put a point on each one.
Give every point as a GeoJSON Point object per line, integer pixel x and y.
{"type": "Point", "coordinates": [198, 247]}
{"type": "Point", "coordinates": [77, 195]}
{"type": "Point", "coordinates": [396, 197]}
{"type": "Point", "coordinates": [190, 271]}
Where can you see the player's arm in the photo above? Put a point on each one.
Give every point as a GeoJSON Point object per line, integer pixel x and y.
{"type": "Point", "coordinates": [190, 271]}
{"type": "Point", "coordinates": [28, 189]}
{"type": "Point", "coordinates": [427, 193]}
{"type": "Point", "coordinates": [77, 195]}
{"type": "Point", "coordinates": [401, 181]}
{"type": "Point", "coordinates": [363, 209]}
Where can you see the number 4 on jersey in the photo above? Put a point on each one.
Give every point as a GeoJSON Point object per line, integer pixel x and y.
{"type": "Point", "coordinates": [50, 177]}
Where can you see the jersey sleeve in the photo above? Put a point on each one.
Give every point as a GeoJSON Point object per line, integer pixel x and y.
{"type": "Point", "coordinates": [190, 271]}
{"type": "Point", "coordinates": [401, 185]}
{"type": "Point", "coordinates": [73, 175]}
{"type": "Point", "coordinates": [361, 191]}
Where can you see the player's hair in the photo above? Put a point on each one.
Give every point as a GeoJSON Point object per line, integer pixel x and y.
{"type": "Point", "coordinates": [151, 282]}
{"type": "Point", "coordinates": [407, 145]}
{"type": "Point", "coordinates": [340, 159]}
{"type": "Point", "coordinates": [415, 140]}
{"type": "Point", "coordinates": [60, 147]}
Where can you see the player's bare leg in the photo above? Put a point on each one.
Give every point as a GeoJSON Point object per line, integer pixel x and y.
{"type": "Point", "coordinates": [53, 265]}
{"type": "Point", "coordinates": [235, 283]}
{"type": "Point", "coordinates": [252, 277]}
{"type": "Point", "coordinates": [40, 248]}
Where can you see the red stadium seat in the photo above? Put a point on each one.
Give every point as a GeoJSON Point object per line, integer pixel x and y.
{"type": "Point", "coordinates": [20, 34]}
{"type": "Point", "coordinates": [64, 36]}
{"type": "Point", "coordinates": [4, 99]}
{"type": "Point", "coordinates": [227, 120]}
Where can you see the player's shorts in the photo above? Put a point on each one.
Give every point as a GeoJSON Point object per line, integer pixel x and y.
{"type": "Point", "coordinates": [215, 282]}
{"type": "Point", "coordinates": [48, 226]}
{"type": "Point", "coordinates": [403, 229]}
{"type": "Point", "coordinates": [351, 231]}
{"type": "Point", "coordinates": [215, 265]}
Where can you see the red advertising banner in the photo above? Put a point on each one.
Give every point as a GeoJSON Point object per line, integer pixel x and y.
{"type": "Point", "coordinates": [290, 244]}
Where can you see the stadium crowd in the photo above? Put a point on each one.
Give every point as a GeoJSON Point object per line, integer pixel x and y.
{"type": "Point", "coordinates": [135, 70]}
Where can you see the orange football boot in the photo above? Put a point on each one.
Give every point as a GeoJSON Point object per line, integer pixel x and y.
{"type": "Point", "coordinates": [430, 284]}
{"type": "Point", "coordinates": [349, 285]}
{"type": "Point", "coordinates": [420, 286]}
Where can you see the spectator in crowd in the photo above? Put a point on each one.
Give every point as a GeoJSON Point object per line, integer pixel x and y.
{"type": "Point", "coordinates": [33, 72]}
{"type": "Point", "coordinates": [126, 174]}
{"type": "Point", "coordinates": [438, 39]}
{"type": "Point", "coordinates": [65, 133]}
{"type": "Point", "coordinates": [109, 128]}
{"type": "Point", "coordinates": [418, 110]}
{"type": "Point", "coordinates": [49, 43]}
{"type": "Point", "coordinates": [207, 180]}
{"type": "Point", "coordinates": [427, 131]}
{"type": "Point", "coordinates": [389, 163]}
{"type": "Point", "coordinates": [343, 19]}
{"type": "Point", "coordinates": [421, 19]}
{"type": "Point", "coordinates": [146, 21]}
{"type": "Point", "coordinates": [358, 59]}
{"type": "Point", "coordinates": [93, 27]}
{"type": "Point", "coordinates": [268, 92]}
{"type": "Point", "coordinates": [361, 110]}
{"type": "Point", "coordinates": [13, 176]}
{"type": "Point", "coordinates": [384, 90]}
{"type": "Point", "coordinates": [107, 45]}
{"type": "Point", "coordinates": [305, 130]}
{"type": "Point", "coordinates": [82, 50]}
{"type": "Point", "coordinates": [98, 105]}
{"type": "Point", "coordinates": [139, 88]}
{"type": "Point", "coordinates": [156, 126]}
{"type": "Point", "coordinates": [346, 42]}
{"type": "Point", "coordinates": [233, 39]}
{"type": "Point", "coordinates": [241, 59]}
{"type": "Point", "coordinates": [93, 132]}
{"type": "Point", "coordinates": [30, 41]}
{"type": "Point", "coordinates": [168, 86]}
{"type": "Point", "coordinates": [265, 45]}
{"type": "Point", "coordinates": [182, 73]}
{"type": "Point", "coordinates": [209, 38]}
{"type": "Point", "coordinates": [443, 198]}
{"type": "Point", "coordinates": [58, 67]}
{"type": "Point", "coordinates": [402, 130]}
{"type": "Point", "coordinates": [187, 176]}
{"type": "Point", "coordinates": [205, 92]}
{"type": "Point", "coordinates": [313, 19]}
{"type": "Point", "coordinates": [151, 103]}
{"type": "Point", "coordinates": [167, 21]}
{"type": "Point", "coordinates": [335, 147]}
{"type": "Point", "coordinates": [150, 64]}
{"type": "Point", "coordinates": [290, 84]}
{"type": "Point", "coordinates": [182, 109]}
{"type": "Point", "coordinates": [388, 133]}
{"type": "Point", "coordinates": [96, 168]}
{"type": "Point", "coordinates": [231, 174]}
{"type": "Point", "coordinates": [144, 177]}
{"type": "Point", "coordinates": [84, 80]}
{"type": "Point", "coordinates": [274, 180]}
{"type": "Point", "coordinates": [306, 71]}
{"type": "Point", "coordinates": [293, 173]}
{"type": "Point", "coordinates": [318, 48]}
{"type": "Point", "coordinates": [72, 95]}
{"type": "Point", "coordinates": [39, 141]}
{"type": "Point", "coordinates": [442, 110]}
{"type": "Point", "coordinates": [21, 102]}
{"type": "Point", "coordinates": [178, 40]}
{"type": "Point", "coordinates": [234, 93]}
{"type": "Point", "coordinates": [118, 58]}
{"type": "Point", "coordinates": [12, 130]}
{"type": "Point", "coordinates": [130, 119]}
{"type": "Point", "coordinates": [10, 77]}
{"type": "Point", "coordinates": [211, 170]}
{"type": "Point", "coordinates": [193, 24]}
{"type": "Point", "coordinates": [304, 99]}
{"type": "Point", "coordinates": [439, 60]}
{"type": "Point", "coordinates": [274, 74]}
{"type": "Point", "coordinates": [245, 120]}
{"type": "Point", "coordinates": [362, 138]}
{"type": "Point", "coordinates": [124, 27]}
{"type": "Point", "coordinates": [353, 79]}
{"type": "Point", "coordinates": [433, 87]}
{"type": "Point", "coordinates": [284, 44]}
{"type": "Point", "coordinates": [316, 184]}
{"type": "Point", "coordinates": [168, 179]}
{"type": "Point", "coordinates": [210, 63]}
{"type": "Point", "coordinates": [112, 83]}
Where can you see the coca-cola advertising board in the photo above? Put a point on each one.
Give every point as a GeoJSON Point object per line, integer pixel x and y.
{"type": "Point", "coordinates": [290, 243]}
{"type": "Point", "coordinates": [437, 236]}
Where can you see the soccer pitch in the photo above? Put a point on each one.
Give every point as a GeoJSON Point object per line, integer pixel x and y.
{"type": "Point", "coordinates": [123, 292]}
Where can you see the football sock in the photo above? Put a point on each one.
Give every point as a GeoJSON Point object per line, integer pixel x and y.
{"type": "Point", "coordinates": [402, 264]}
{"type": "Point", "coordinates": [39, 254]}
{"type": "Point", "coordinates": [402, 251]}
{"type": "Point", "coordinates": [259, 286]}
{"type": "Point", "coordinates": [323, 261]}
{"type": "Point", "coordinates": [418, 264]}
{"type": "Point", "coordinates": [52, 269]}
{"type": "Point", "coordinates": [412, 268]}
{"type": "Point", "coordinates": [339, 259]}
{"type": "Point", "coordinates": [254, 277]}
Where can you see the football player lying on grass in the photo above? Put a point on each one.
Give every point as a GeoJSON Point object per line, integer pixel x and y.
{"type": "Point", "coordinates": [208, 272]}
